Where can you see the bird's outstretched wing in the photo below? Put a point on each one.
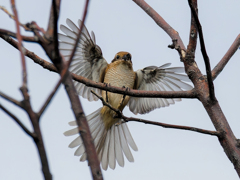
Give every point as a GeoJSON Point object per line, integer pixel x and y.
{"type": "Point", "coordinates": [87, 61]}
{"type": "Point", "coordinates": [161, 78]}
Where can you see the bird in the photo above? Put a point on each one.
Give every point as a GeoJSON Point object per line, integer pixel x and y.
{"type": "Point", "coordinates": [110, 134]}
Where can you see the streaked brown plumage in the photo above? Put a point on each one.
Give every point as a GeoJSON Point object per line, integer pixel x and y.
{"type": "Point", "coordinates": [111, 137]}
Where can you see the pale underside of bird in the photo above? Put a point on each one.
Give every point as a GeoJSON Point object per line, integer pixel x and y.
{"type": "Point", "coordinates": [111, 137]}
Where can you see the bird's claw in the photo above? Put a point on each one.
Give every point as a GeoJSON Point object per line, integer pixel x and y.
{"type": "Point", "coordinates": [123, 98]}
{"type": "Point", "coordinates": [107, 85]}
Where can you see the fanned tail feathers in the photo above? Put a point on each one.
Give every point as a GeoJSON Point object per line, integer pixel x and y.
{"type": "Point", "coordinates": [110, 144]}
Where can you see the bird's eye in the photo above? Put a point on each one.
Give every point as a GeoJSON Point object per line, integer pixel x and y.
{"type": "Point", "coordinates": [118, 57]}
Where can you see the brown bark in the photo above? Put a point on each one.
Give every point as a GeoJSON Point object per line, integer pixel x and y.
{"type": "Point", "coordinates": [203, 85]}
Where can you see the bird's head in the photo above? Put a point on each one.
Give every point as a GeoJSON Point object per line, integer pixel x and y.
{"type": "Point", "coordinates": [123, 56]}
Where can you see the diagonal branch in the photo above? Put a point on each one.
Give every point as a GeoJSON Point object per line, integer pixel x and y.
{"type": "Point", "coordinates": [52, 22]}
{"type": "Point", "coordinates": [12, 100]}
{"type": "Point", "coordinates": [63, 73]}
{"type": "Point", "coordinates": [90, 83]}
{"type": "Point", "coordinates": [49, 99]}
{"type": "Point", "coordinates": [25, 38]}
{"type": "Point", "coordinates": [24, 128]}
{"type": "Point", "coordinates": [164, 125]}
{"type": "Point", "coordinates": [27, 105]}
{"type": "Point", "coordinates": [83, 128]}
{"type": "Point", "coordinates": [204, 53]}
{"type": "Point", "coordinates": [178, 44]}
{"type": "Point", "coordinates": [30, 54]}
{"type": "Point", "coordinates": [219, 67]}
{"type": "Point", "coordinates": [127, 119]}
{"type": "Point", "coordinates": [13, 17]}
{"type": "Point", "coordinates": [192, 44]}
{"type": "Point", "coordinates": [19, 37]}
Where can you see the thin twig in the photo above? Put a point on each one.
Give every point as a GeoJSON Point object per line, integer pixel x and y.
{"type": "Point", "coordinates": [126, 119]}
{"type": "Point", "coordinates": [204, 53]}
{"type": "Point", "coordinates": [13, 17]}
{"type": "Point", "coordinates": [63, 73]}
{"type": "Point", "coordinates": [12, 100]}
{"type": "Point", "coordinates": [34, 26]}
{"type": "Point", "coordinates": [219, 67]}
{"type": "Point", "coordinates": [24, 128]}
{"type": "Point", "coordinates": [164, 125]}
{"type": "Point", "coordinates": [84, 131]}
{"type": "Point", "coordinates": [55, 12]}
{"type": "Point", "coordinates": [27, 105]}
{"type": "Point", "coordinates": [30, 54]}
{"type": "Point", "coordinates": [107, 104]}
{"type": "Point", "coordinates": [27, 26]}
{"type": "Point", "coordinates": [25, 38]}
{"type": "Point", "coordinates": [162, 23]}
{"type": "Point", "coordinates": [49, 99]}
{"type": "Point", "coordinates": [19, 37]}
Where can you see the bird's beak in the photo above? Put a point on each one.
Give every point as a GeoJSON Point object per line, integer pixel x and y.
{"type": "Point", "coordinates": [124, 57]}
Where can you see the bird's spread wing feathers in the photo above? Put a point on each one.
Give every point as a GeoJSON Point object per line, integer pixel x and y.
{"type": "Point", "coordinates": [110, 144]}
{"type": "Point", "coordinates": [87, 61]}
{"type": "Point", "coordinates": [163, 78]}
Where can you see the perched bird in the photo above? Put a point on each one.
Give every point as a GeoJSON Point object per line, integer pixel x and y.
{"type": "Point", "coordinates": [111, 137]}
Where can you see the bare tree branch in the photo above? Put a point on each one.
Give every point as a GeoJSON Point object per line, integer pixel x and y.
{"type": "Point", "coordinates": [178, 44]}
{"type": "Point", "coordinates": [25, 38]}
{"type": "Point", "coordinates": [219, 67]}
{"type": "Point", "coordinates": [39, 141]}
{"type": "Point", "coordinates": [52, 22]}
{"type": "Point", "coordinates": [164, 125]}
{"type": "Point", "coordinates": [12, 100]}
{"type": "Point", "coordinates": [204, 52]}
{"type": "Point", "coordinates": [49, 98]}
{"type": "Point", "coordinates": [192, 44]}
{"type": "Point", "coordinates": [88, 82]}
{"type": "Point", "coordinates": [24, 128]}
{"type": "Point", "coordinates": [227, 138]}
{"type": "Point", "coordinates": [30, 54]}
{"type": "Point", "coordinates": [127, 119]}
{"type": "Point", "coordinates": [53, 54]}
{"type": "Point", "coordinates": [202, 88]}
{"type": "Point", "coordinates": [63, 73]}
{"type": "Point", "coordinates": [19, 37]}
{"type": "Point", "coordinates": [27, 105]}
{"type": "Point", "coordinates": [14, 18]}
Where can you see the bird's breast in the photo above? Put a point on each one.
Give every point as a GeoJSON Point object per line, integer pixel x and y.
{"type": "Point", "coordinates": [117, 74]}
{"type": "Point", "coordinates": [120, 74]}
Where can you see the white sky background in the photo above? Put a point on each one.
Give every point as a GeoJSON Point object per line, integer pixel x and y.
{"type": "Point", "coordinates": [167, 154]}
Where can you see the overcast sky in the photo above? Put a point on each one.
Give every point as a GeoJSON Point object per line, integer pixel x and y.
{"type": "Point", "coordinates": [166, 154]}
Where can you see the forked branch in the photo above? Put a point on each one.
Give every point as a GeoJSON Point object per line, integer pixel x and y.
{"type": "Point", "coordinates": [204, 52]}
{"type": "Point", "coordinates": [164, 125]}
{"type": "Point", "coordinates": [24, 128]}
{"type": "Point", "coordinates": [219, 67]}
